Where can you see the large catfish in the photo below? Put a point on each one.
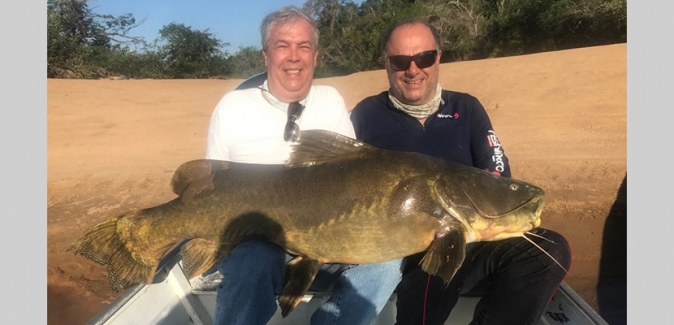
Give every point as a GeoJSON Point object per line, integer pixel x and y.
{"type": "Point", "coordinates": [336, 200]}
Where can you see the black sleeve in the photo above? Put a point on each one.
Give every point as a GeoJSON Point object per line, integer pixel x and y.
{"type": "Point", "coordinates": [358, 120]}
{"type": "Point", "coordinates": [488, 154]}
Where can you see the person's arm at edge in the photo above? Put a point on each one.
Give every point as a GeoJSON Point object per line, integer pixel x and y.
{"type": "Point", "coordinates": [488, 153]}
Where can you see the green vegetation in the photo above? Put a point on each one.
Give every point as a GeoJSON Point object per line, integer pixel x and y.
{"type": "Point", "coordinates": [84, 44]}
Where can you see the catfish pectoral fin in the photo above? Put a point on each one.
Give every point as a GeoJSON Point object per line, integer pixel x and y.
{"type": "Point", "coordinates": [103, 245]}
{"type": "Point", "coordinates": [199, 255]}
{"type": "Point", "coordinates": [300, 272]}
{"type": "Point", "coordinates": [446, 253]}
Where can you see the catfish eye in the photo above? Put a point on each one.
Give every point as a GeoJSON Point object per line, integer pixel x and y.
{"type": "Point", "coordinates": [514, 187]}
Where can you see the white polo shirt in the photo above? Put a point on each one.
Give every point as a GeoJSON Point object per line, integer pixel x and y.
{"type": "Point", "coordinates": [246, 128]}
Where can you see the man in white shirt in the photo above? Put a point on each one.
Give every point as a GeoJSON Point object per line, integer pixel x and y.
{"type": "Point", "coordinates": [248, 125]}
{"type": "Point", "coordinates": [257, 125]}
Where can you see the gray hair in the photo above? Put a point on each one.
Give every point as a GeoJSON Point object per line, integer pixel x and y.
{"type": "Point", "coordinates": [386, 37]}
{"type": "Point", "coordinates": [283, 16]}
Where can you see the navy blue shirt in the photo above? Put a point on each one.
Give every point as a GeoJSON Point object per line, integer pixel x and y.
{"type": "Point", "coordinates": [460, 131]}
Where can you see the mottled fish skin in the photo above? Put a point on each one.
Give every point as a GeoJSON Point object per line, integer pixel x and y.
{"type": "Point", "coordinates": [336, 200]}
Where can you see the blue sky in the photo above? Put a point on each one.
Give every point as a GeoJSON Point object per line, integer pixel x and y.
{"type": "Point", "coordinates": [235, 22]}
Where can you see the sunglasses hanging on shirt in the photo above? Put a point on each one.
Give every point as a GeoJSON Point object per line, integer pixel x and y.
{"type": "Point", "coordinates": [422, 60]}
{"type": "Point", "coordinates": [292, 131]}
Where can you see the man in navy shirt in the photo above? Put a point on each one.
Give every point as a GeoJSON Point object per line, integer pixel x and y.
{"type": "Point", "coordinates": [514, 278]}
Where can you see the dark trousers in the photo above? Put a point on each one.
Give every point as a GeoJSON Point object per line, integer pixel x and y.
{"type": "Point", "coordinates": [514, 278]}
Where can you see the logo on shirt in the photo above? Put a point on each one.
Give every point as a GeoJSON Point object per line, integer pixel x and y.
{"type": "Point", "coordinates": [452, 116]}
{"type": "Point", "coordinates": [493, 140]}
{"type": "Point", "coordinates": [497, 157]}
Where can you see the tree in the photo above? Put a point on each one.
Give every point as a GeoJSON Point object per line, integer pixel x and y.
{"type": "Point", "coordinates": [332, 18]}
{"type": "Point", "coordinates": [62, 44]}
{"type": "Point", "coordinates": [191, 53]}
{"type": "Point", "coordinates": [529, 26]}
{"type": "Point", "coordinates": [460, 24]}
{"type": "Point", "coordinates": [350, 35]}
{"type": "Point", "coordinates": [247, 61]}
{"type": "Point", "coordinates": [76, 37]}
{"type": "Point", "coordinates": [85, 44]}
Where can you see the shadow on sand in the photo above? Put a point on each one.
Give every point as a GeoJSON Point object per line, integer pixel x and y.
{"type": "Point", "coordinates": [612, 283]}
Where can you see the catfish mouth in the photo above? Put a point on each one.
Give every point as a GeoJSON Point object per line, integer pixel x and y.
{"type": "Point", "coordinates": [534, 200]}
{"type": "Point", "coordinates": [488, 228]}
{"type": "Point", "coordinates": [496, 231]}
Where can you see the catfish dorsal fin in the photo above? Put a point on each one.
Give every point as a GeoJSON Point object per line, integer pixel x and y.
{"type": "Point", "coordinates": [195, 170]}
{"type": "Point", "coordinates": [315, 147]}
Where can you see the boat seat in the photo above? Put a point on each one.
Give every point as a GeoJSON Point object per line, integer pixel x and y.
{"type": "Point", "coordinates": [255, 80]}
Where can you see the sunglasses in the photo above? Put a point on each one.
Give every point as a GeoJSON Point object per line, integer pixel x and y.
{"type": "Point", "coordinates": [292, 131]}
{"type": "Point", "coordinates": [422, 60]}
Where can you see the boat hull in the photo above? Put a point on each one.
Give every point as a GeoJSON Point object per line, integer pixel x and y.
{"type": "Point", "coordinates": [174, 300]}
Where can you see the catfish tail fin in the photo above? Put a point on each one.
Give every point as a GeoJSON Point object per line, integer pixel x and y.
{"type": "Point", "coordinates": [103, 245]}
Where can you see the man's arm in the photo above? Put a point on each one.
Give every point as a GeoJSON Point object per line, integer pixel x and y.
{"type": "Point", "coordinates": [344, 125]}
{"type": "Point", "coordinates": [216, 147]}
{"type": "Point", "coordinates": [486, 149]}
{"type": "Point", "coordinates": [339, 117]}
